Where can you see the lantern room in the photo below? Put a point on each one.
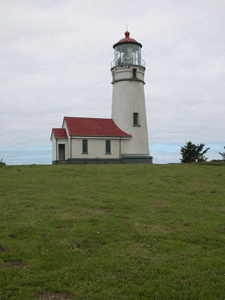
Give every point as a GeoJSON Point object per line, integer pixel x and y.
{"type": "Point", "coordinates": [127, 52]}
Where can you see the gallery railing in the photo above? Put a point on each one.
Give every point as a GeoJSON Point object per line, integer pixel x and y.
{"type": "Point", "coordinates": [127, 62]}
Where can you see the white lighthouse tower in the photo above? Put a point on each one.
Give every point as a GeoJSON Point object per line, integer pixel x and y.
{"type": "Point", "coordinates": [128, 100]}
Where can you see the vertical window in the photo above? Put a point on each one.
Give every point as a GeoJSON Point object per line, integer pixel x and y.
{"type": "Point", "coordinates": [85, 146]}
{"type": "Point", "coordinates": [135, 119]}
{"type": "Point", "coordinates": [108, 147]}
{"type": "Point", "coordinates": [134, 73]}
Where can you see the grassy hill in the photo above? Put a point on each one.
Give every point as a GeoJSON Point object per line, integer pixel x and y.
{"type": "Point", "coordinates": [112, 232]}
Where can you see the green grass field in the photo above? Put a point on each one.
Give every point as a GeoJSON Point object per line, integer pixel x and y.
{"type": "Point", "coordinates": [112, 232]}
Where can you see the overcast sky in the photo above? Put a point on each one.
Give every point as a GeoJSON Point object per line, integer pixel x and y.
{"type": "Point", "coordinates": [55, 62]}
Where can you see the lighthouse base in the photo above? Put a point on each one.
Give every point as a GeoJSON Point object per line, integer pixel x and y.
{"type": "Point", "coordinates": [128, 159]}
{"type": "Point", "coordinates": [136, 159]}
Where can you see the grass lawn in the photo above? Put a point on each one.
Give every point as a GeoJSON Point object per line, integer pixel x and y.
{"type": "Point", "coordinates": [112, 232]}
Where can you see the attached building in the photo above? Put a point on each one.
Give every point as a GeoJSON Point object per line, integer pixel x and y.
{"type": "Point", "coordinates": [81, 139]}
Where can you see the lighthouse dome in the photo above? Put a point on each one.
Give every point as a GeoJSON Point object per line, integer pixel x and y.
{"type": "Point", "coordinates": [127, 38]}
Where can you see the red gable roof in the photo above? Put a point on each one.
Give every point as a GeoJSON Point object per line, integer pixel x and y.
{"type": "Point", "coordinates": [93, 127]}
{"type": "Point", "coordinates": [59, 132]}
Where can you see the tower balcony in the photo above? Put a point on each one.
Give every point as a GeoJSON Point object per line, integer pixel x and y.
{"type": "Point", "coordinates": [127, 62]}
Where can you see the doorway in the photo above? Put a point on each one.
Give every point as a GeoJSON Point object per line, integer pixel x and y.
{"type": "Point", "coordinates": [61, 152]}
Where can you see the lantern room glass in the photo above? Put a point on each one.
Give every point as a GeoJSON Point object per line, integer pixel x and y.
{"type": "Point", "coordinates": [127, 54]}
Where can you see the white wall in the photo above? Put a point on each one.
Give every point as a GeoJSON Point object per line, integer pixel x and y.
{"type": "Point", "coordinates": [68, 148]}
{"type": "Point", "coordinates": [127, 72]}
{"type": "Point", "coordinates": [53, 148]}
{"type": "Point", "coordinates": [55, 143]}
{"type": "Point", "coordinates": [129, 98]}
{"type": "Point", "coordinates": [96, 148]}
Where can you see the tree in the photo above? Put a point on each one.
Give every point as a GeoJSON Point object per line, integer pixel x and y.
{"type": "Point", "coordinates": [193, 153]}
{"type": "Point", "coordinates": [222, 154]}
{"type": "Point", "coordinates": [2, 163]}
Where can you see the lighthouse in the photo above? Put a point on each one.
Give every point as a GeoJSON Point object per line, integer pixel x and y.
{"type": "Point", "coordinates": [128, 99]}
{"type": "Point", "coordinates": [124, 137]}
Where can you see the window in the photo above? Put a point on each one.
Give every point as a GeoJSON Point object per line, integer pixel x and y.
{"type": "Point", "coordinates": [108, 147]}
{"type": "Point", "coordinates": [85, 146]}
{"type": "Point", "coordinates": [135, 119]}
{"type": "Point", "coordinates": [134, 73]}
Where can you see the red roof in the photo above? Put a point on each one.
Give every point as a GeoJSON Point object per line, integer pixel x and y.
{"type": "Point", "coordinates": [127, 38]}
{"type": "Point", "coordinates": [59, 132]}
{"type": "Point", "coordinates": [93, 127]}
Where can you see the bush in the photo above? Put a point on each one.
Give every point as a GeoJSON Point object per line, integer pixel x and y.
{"type": "Point", "coordinates": [222, 154]}
{"type": "Point", "coordinates": [2, 163]}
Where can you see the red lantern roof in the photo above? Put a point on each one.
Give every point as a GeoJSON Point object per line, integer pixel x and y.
{"type": "Point", "coordinates": [127, 38]}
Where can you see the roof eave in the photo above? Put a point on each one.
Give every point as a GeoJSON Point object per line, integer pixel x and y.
{"type": "Point", "coordinates": [64, 120]}
{"type": "Point", "coordinates": [51, 134]}
{"type": "Point", "coordinates": [121, 43]}
{"type": "Point", "coordinates": [103, 136]}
